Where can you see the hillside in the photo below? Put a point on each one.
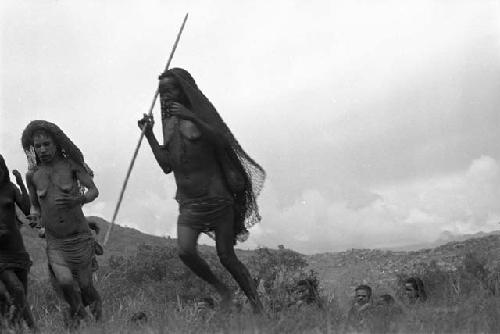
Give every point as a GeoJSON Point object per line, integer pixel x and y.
{"type": "Point", "coordinates": [444, 238]}
{"type": "Point", "coordinates": [339, 271]}
{"type": "Point", "coordinates": [126, 293]}
{"type": "Point", "coordinates": [342, 271]}
{"type": "Point", "coordinates": [123, 241]}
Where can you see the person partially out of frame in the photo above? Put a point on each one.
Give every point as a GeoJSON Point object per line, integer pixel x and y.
{"type": "Point", "coordinates": [14, 260]}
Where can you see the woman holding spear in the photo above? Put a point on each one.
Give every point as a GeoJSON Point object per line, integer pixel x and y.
{"type": "Point", "coordinates": [217, 182]}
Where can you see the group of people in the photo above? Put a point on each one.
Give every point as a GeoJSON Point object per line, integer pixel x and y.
{"type": "Point", "coordinates": [381, 314]}
{"type": "Point", "coordinates": [217, 185]}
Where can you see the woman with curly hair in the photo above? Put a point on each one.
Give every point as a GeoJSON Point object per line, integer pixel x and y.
{"type": "Point", "coordinates": [56, 177]}
{"type": "Point", "coordinates": [14, 260]}
{"type": "Point", "coordinates": [217, 182]}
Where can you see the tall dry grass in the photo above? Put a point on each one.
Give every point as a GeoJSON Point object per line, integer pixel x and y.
{"type": "Point", "coordinates": [153, 281]}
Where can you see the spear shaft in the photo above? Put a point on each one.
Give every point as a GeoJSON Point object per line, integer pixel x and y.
{"type": "Point", "coordinates": [132, 162]}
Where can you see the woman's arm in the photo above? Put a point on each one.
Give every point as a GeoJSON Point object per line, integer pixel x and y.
{"type": "Point", "coordinates": [217, 138]}
{"type": "Point", "coordinates": [22, 197]}
{"type": "Point", "coordinates": [87, 181]}
{"type": "Point", "coordinates": [161, 154]}
{"type": "Point", "coordinates": [35, 205]}
{"type": "Point", "coordinates": [70, 200]}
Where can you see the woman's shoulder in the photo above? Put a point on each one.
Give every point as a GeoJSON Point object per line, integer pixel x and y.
{"type": "Point", "coordinates": [73, 165]}
{"type": "Point", "coordinates": [8, 190]}
{"type": "Point", "coordinates": [10, 187]}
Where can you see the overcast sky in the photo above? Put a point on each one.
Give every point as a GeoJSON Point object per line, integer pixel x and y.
{"type": "Point", "coordinates": [376, 121]}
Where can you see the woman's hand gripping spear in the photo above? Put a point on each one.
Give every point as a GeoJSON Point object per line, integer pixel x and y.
{"type": "Point", "coordinates": [125, 182]}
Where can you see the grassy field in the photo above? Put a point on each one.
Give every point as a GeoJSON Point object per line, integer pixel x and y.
{"type": "Point", "coordinates": [462, 280]}
{"type": "Point", "coordinates": [153, 281]}
{"type": "Point", "coordinates": [475, 315]}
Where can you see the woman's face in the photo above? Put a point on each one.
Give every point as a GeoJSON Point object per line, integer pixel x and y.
{"type": "Point", "coordinates": [410, 292]}
{"type": "Point", "coordinates": [362, 296]}
{"type": "Point", "coordinates": [45, 148]}
{"type": "Point", "coordinates": [170, 91]}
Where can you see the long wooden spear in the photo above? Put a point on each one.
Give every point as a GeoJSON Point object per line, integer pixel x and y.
{"type": "Point", "coordinates": [124, 186]}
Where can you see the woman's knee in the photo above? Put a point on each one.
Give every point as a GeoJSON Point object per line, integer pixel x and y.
{"type": "Point", "coordinates": [65, 282]}
{"type": "Point", "coordinates": [4, 293]}
{"type": "Point", "coordinates": [187, 253]}
{"type": "Point", "coordinates": [89, 295]}
{"type": "Point", "coordinates": [14, 286]}
{"type": "Point", "coordinates": [228, 259]}
{"type": "Point", "coordinates": [62, 276]}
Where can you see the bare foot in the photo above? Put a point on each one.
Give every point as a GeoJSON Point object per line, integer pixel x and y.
{"type": "Point", "coordinates": [96, 309]}
{"type": "Point", "coordinates": [257, 306]}
{"type": "Point", "coordinates": [226, 298]}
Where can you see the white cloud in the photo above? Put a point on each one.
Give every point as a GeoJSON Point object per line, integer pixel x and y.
{"type": "Point", "coordinates": [400, 214]}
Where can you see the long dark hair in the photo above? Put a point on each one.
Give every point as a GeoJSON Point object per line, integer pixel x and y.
{"type": "Point", "coordinates": [64, 145]}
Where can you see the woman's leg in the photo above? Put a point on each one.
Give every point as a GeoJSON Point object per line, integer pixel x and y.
{"type": "Point", "coordinates": [187, 240]}
{"type": "Point", "coordinates": [16, 290]}
{"type": "Point", "coordinates": [89, 293]}
{"type": "Point", "coordinates": [224, 238]}
{"type": "Point", "coordinates": [4, 301]}
{"type": "Point", "coordinates": [64, 281]}
{"type": "Point", "coordinates": [22, 275]}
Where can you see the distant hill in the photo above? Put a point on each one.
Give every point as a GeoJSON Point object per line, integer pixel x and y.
{"type": "Point", "coordinates": [339, 271]}
{"type": "Point", "coordinates": [342, 271]}
{"type": "Point", "coordinates": [124, 240]}
{"type": "Point", "coordinates": [444, 238]}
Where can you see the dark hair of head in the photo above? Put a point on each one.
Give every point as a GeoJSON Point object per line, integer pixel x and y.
{"type": "Point", "coordinates": [209, 300]}
{"type": "Point", "coordinates": [41, 132]}
{"type": "Point", "coordinates": [303, 282]}
{"type": "Point", "coordinates": [6, 177]}
{"type": "Point", "coordinates": [139, 317]}
{"type": "Point", "coordinates": [184, 99]}
{"type": "Point", "coordinates": [181, 73]}
{"type": "Point", "coordinates": [312, 290]}
{"type": "Point", "coordinates": [388, 299]}
{"type": "Point", "coordinates": [308, 282]}
{"type": "Point", "coordinates": [62, 142]}
{"type": "Point", "coordinates": [165, 75]}
{"type": "Point", "coordinates": [418, 285]}
{"type": "Point", "coordinates": [45, 133]}
{"type": "Point", "coordinates": [364, 287]}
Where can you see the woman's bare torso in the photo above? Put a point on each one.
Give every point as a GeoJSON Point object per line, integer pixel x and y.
{"type": "Point", "coordinates": [49, 182]}
{"type": "Point", "coordinates": [194, 163]}
{"type": "Point", "coordinates": [12, 240]}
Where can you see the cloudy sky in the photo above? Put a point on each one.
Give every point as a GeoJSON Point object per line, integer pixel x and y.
{"type": "Point", "coordinates": [377, 121]}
